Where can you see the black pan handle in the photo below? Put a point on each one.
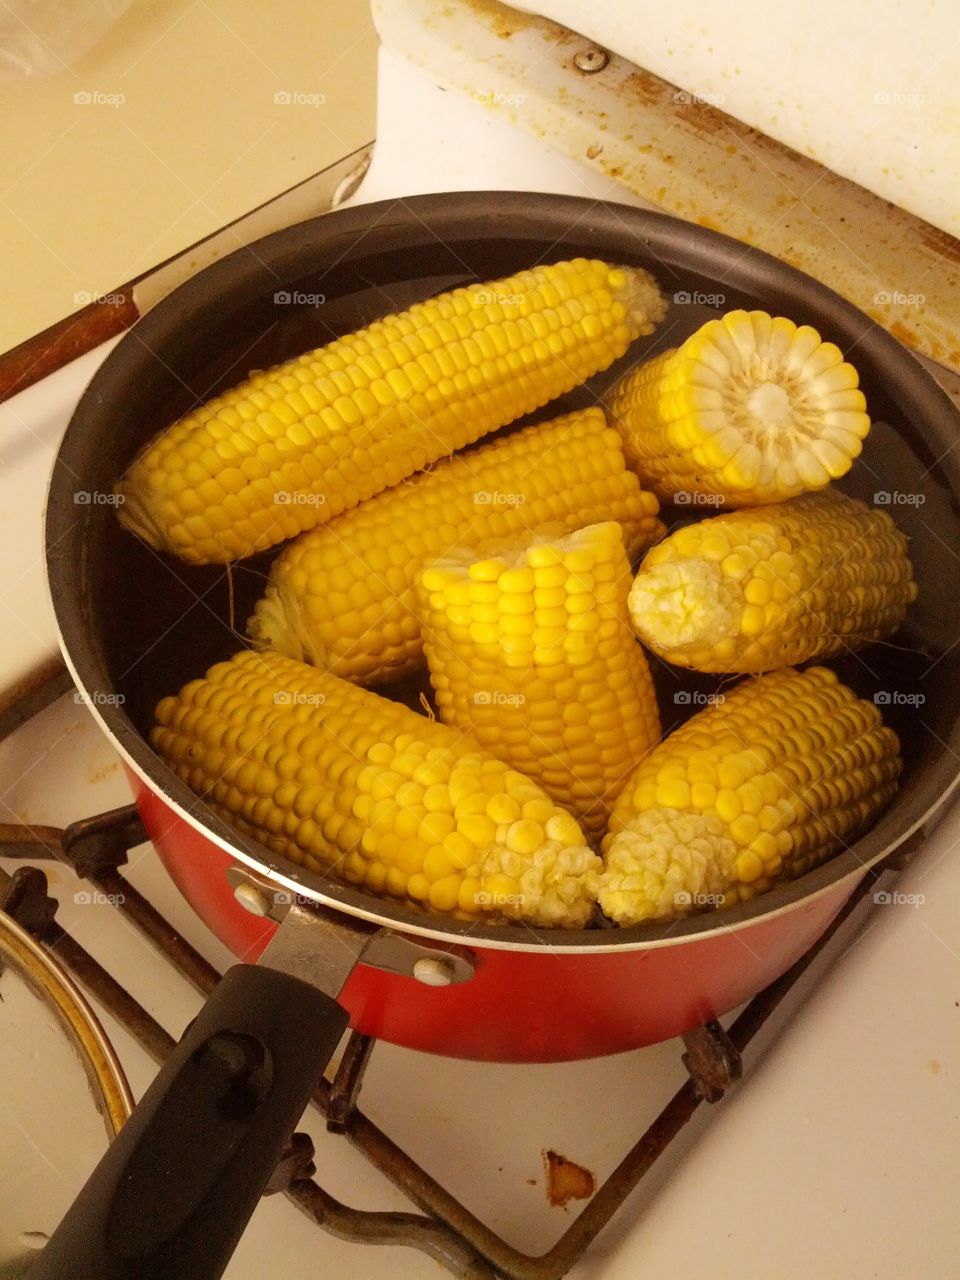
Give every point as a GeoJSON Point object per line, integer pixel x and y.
{"type": "Point", "coordinates": [173, 1194]}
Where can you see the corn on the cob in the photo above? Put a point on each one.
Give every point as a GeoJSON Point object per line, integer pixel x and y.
{"type": "Point", "coordinates": [758, 788]}
{"type": "Point", "coordinates": [533, 655]}
{"type": "Point", "coordinates": [750, 409]}
{"type": "Point", "coordinates": [338, 778]}
{"type": "Point", "coordinates": [294, 446]}
{"type": "Point", "coordinates": [774, 586]}
{"type": "Point", "coordinates": [344, 596]}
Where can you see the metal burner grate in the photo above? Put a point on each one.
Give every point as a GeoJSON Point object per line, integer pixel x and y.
{"type": "Point", "coordinates": [96, 848]}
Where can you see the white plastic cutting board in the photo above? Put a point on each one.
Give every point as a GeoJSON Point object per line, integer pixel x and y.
{"type": "Point", "coordinates": [869, 88]}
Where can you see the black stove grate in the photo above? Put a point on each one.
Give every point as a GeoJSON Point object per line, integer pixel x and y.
{"type": "Point", "coordinates": [96, 849]}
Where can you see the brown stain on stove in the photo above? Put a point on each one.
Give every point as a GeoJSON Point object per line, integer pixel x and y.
{"type": "Point", "coordinates": [104, 771]}
{"type": "Point", "coordinates": [942, 244]}
{"type": "Point", "coordinates": [498, 22]}
{"type": "Point", "coordinates": [647, 88]}
{"type": "Point", "coordinates": [901, 332]}
{"type": "Point", "coordinates": [566, 1180]}
{"type": "Point", "coordinates": [931, 345]}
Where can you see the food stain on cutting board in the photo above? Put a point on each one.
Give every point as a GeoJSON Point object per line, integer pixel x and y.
{"type": "Point", "coordinates": [566, 1180]}
{"type": "Point", "coordinates": [103, 771]}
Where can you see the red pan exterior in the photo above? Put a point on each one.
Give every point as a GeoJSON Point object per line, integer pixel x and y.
{"type": "Point", "coordinates": [519, 1006]}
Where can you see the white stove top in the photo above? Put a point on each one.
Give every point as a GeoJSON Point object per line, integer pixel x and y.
{"type": "Point", "coordinates": [837, 1155]}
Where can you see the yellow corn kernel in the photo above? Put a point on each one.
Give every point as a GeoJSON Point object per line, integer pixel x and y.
{"type": "Point", "coordinates": [328, 603]}
{"type": "Point", "coordinates": [841, 568]}
{"type": "Point", "coordinates": [819, 756]}
{"type": "Point", "coordinates": [294, 446]}
{"type": "Point", "coordinates": [750, 409]}
{"type": "Point", "coordinates": [577, 722]}
{"type": "Point", "coordinates": [375, 793]}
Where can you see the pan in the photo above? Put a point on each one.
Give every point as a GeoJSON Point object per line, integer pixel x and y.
{"type": "Point", "coordinates": [135, 625]}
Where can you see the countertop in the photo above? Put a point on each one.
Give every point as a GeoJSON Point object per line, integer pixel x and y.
{"type": "Point", "coordinates": [184, 116]}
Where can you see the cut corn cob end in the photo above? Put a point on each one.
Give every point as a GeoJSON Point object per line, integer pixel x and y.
{"type": "Point", "coordinates": [553, 886]}
{"type": "Point", "coordinates": [757, 789]}
{"type": "Point", "coordinates": [278, 623]}
{"type": "Point", "coordinates": [768, 587]}
{"type": "Point", "coordinates": [664, 864]}
{"type": "Point", "coordinates": [685, 605]}
{"type": "Point", "coordinates": [292, 447]}
{"type": "Point", "coordinates": [640, 294]}
{"type": "Point", "coordinates": [138, 511]}
{"type": "Point", "coordinates": [336, 777]}
{"type": "Point", "coordinates": [750, 409]}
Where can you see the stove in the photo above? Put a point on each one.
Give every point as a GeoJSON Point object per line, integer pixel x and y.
{"type": "Point", "coordinates": [97, 848]}
{"type": "Point", "coordinates": [834, 1154]}
{"type": "Point", "coordinates": [452, 1159]}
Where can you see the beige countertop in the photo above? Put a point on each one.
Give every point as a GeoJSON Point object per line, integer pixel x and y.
{"type": "Point", "coordinates": [184, 116]}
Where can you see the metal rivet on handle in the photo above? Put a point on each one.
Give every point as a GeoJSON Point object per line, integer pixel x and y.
{"type": "Point", "coordinates": [591, 59]}
{"type": "Point", "coordinates": [434, 971]}
{"type": "Point", "coordinates": [252, 899]}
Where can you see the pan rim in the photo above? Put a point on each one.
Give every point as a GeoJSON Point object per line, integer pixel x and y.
{"type": "Point", "coordinates": [500, 211]}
